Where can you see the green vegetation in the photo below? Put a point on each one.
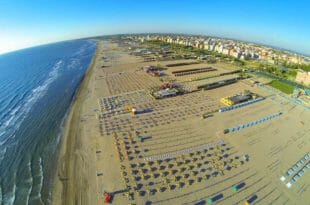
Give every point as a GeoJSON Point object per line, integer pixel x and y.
{"type": "Point", "coordinates": [280, 72]}
{"type": "Point", "coordinates": [174, 47]}
{"type": "Point", "coordinates": [305, 67]}
{"type": "Point", "coordinates": [285, 70]}
{"type": "Point", "coordinates": [189, 50]}
{"type": "Point", "coordinates": [186, 50]}
{"type": "Point", "coordinates": [286, 88]}
{"type": "Point", "coordinates": [239, 62]}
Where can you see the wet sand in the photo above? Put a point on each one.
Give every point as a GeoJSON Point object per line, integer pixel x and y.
{"type": "Point", "coordinates": [73, 175]}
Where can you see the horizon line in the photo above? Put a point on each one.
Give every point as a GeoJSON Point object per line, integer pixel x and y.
{"type": "Point", "coordinates": [162, 33]}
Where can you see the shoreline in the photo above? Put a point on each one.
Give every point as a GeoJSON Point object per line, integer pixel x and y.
{"type": "Point", "coordinates": [58, 186]}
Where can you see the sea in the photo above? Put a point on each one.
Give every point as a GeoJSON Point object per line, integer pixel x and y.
{"type": "Point", "coordinates": [37, 88]}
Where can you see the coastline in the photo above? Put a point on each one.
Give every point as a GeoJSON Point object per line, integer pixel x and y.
{"type": "Point", "coordinates": [63, 150]}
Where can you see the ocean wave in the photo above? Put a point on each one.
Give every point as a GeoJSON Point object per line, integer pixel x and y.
{"type": "Point", "coordinates": [17, 116]}
{"type": "Point", "coordinates": [83, 50]}
{"type": "Point", "coordinates": [2, 153]}
{"type": "Point", "coordinates": [10, 112]}
{"type": "Point", "coordinates": [73, 64]}
{"type": "Point", "coordinates": [32, 193]}
{"type": "Point", "coordinates": [12, 115]}
{"type": "Point", "coordinates": [6, 107]}
{"type": "Point", "coordinates": [6, 103]}
{"type": "Point", "coordinates": [9, 198]}
{"type": "Point", "coordinates": [76, 58]}
{"type": "Point", "coordinates": [0, 195]}
{"type": "Point", "coordinates": [80, 51]}
{"type": "Point", "coordinates": [6, 93]}
{"type": "Point", "coordinates": [36, 190]}
{"type": "Point", "coordinates": [30, 179]}
{"type": "Point", "coordinates": [5, 84]}
{"type": "Point", "coordinates": [61, 128]}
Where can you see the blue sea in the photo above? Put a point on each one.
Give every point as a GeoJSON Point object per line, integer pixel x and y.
{"type": "Point", "coordinates": [37, 86]}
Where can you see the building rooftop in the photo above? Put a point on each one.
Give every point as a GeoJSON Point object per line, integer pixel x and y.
{"type": "Point", "coordinates": [240, 98]}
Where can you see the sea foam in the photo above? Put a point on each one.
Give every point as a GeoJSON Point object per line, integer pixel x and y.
{"type": "Point", "coordinates": [17, 115]}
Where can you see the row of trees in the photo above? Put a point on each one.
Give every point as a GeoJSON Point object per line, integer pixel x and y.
{"type": "Point", "coordinates": [283, 72]}
{"type": "Point", "coordinates": [305, 67]}
{"type": "Point", "coordinates": [182, 49]}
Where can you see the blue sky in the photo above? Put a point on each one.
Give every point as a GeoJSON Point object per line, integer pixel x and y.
{"type": "Point", "coordinates": [33, 22]}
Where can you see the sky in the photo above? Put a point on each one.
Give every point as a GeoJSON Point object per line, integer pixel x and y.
{"type": "Point", "coordinates": [280, 23]}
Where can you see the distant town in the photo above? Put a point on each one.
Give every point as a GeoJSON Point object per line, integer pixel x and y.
{"type": "Point", "coordinates": [234, 48]}
{"type": "Point", "coordinates": [286, 64]}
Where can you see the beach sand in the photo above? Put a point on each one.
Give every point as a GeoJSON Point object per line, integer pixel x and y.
{"type": "Point", "coordinates": [76, 180]}
{"type": "Point", "coordinates": [95, 134]}
{"type": "Point", "coordinates": [76, 164]}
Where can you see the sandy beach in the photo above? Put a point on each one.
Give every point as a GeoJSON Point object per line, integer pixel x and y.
{"type": "Point", "coordinates": [75, 150]}
{"type": "Point", "coordinates": [101, 150]}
